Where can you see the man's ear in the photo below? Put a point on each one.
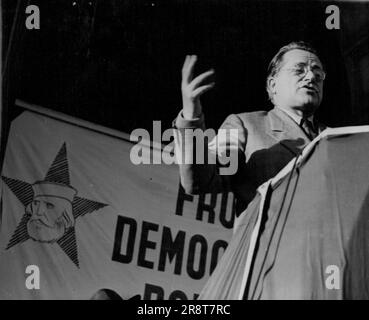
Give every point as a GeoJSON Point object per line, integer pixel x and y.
{"type": "Point", "coordinates": [271, 85]}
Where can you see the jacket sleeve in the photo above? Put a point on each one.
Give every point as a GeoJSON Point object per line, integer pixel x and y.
{"type": "Point", "coordinates": [208, 167]}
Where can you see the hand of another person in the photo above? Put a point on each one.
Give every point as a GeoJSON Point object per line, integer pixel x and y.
{"type": "Point", "coordinates": [193, 88]}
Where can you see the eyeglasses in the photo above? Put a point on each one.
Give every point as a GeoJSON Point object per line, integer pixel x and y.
{"type": "Point", "coordinates": [302, 70]}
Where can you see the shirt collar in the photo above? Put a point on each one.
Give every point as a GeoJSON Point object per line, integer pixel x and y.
{"type": "Point", "coordinates": [296, 117]}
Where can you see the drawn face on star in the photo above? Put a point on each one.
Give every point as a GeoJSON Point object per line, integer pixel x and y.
{"type": "Point", "coordinates": [50, 218]}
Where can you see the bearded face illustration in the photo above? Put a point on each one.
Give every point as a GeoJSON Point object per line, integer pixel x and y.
{"type": "Point", "coordinates": [51, 208]}
{"type": "Point", "coordinates": [50, 218]}
{"type": "Point", "coordinates": [50, 211]}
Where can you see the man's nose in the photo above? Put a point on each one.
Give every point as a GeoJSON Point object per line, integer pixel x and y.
{"type": "Point", "coordinates": [310, 75]}
{"type": "Point", "coordinates": [40, 209]}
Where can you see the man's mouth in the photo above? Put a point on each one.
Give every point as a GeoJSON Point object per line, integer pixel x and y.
{"type": "Point", "coordinates": [39, 222]}
{"type": "Point", "coordinates": [310, 88]}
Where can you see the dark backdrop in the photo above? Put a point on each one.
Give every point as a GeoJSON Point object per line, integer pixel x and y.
{"type": "Point", "coordinates": [118, 62]}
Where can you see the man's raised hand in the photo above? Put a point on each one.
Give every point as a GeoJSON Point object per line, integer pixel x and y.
{"type": "Point", "coordinates": [193, 88]}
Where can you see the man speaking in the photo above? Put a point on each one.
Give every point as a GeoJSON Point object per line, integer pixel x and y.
{"type": "Point", "coordinates": [266, 141]}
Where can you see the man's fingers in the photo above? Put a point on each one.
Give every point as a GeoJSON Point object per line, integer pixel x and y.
{"type": "Point", "coordinates": [185, 63]}
{"type": "Point", "coordinates": [200, 78]}
{"type": "Point", "coordinates": [201, 90]}
{"type": "Point", "coordinates": [187, 71]}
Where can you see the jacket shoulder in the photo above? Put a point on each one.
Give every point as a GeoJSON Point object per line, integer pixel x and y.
{"type": "Point", "coordinates": [252, 115]}
{"type": "Point", "coordinates": [251, 119]}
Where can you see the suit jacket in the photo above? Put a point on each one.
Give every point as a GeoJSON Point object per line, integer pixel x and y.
{"type": "Point", "coordinates": [266, 142]}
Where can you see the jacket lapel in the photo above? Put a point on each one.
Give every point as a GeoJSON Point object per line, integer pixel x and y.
{"type": "Point", "coordinates": [286, 131]}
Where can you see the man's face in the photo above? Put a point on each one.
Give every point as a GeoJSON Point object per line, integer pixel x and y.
{"type": "Point", "coordinates": [293, 88]}
{"type": "Point", "coordinates": [45, 224]}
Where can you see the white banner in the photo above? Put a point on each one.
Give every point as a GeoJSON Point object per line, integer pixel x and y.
{"type": "Point", "coordinates": [78, 216]}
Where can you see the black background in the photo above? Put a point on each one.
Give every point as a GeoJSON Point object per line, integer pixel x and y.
{"type": "Point", "coordinates": [117, 62]}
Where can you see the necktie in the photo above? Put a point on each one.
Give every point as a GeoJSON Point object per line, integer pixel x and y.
{"type": "Point", "coordinates": [308, 128]}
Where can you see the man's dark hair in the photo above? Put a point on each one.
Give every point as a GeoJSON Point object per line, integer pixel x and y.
{"type": "Point", "coordinates": [275, 63]}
